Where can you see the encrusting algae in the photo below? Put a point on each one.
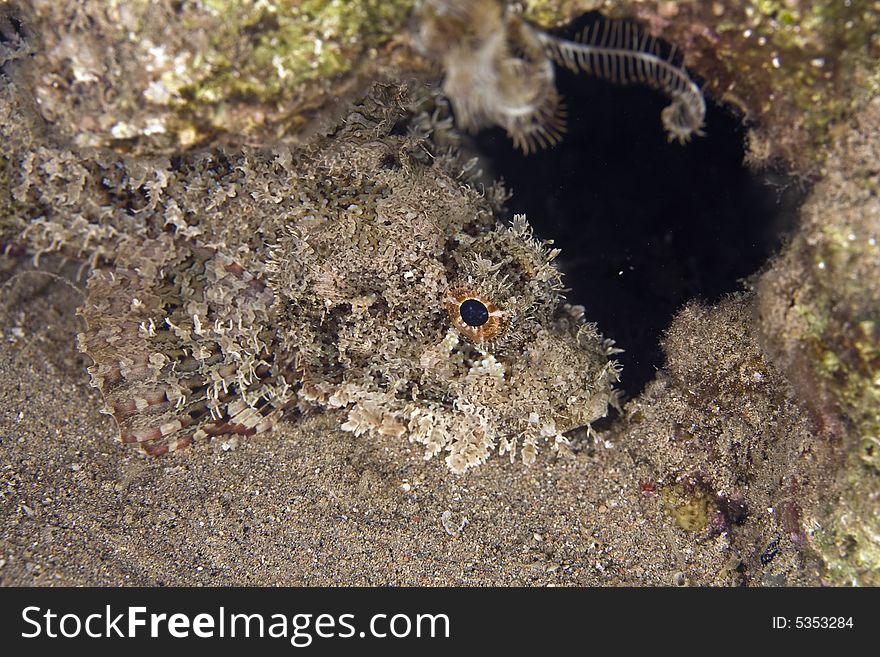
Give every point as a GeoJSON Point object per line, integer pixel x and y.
{"type": "Point", "coordinates": [158, 76]}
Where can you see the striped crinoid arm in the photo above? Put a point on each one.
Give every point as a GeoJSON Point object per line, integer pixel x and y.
{"type": "Point", "coordinates": [620, 52]}
{"type": "Point", "coordinates": [183, 346]}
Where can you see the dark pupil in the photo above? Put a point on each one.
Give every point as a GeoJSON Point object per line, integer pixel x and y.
{"type": "Point", "coordinates": [474, 313]}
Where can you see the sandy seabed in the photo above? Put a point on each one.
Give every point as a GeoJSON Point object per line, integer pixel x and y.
{"type": "Point", "coordinates": [304, 504]}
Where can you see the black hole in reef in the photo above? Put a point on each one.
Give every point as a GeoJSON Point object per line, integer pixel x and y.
{"type": "Point", "coordinates": [644, 225]}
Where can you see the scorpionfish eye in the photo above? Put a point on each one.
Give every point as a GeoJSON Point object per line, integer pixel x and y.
{"type": "Point", "coordinates": [474, 312]}
{"type": "Point", "coordinates": [475, 317]}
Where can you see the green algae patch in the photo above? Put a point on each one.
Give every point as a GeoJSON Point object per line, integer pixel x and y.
{"type": "Point", "coordinates": [157, 77]}
{"type": "Point", "coordinates": [843, 335]}
{"type": "Point", "coordinates": [290, 43]}
{"type": "Point", "coordinates": [821, 315]}
{"type": "Point", "coordinates": [687, 506]}
{"type": "Point", "coordinates": [850, 542]}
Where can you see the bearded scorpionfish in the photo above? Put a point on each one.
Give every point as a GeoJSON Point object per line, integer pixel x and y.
{"type": "Point", "coordinates": [368, 273]}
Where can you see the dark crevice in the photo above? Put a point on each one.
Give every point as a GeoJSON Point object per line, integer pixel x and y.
{"type": "Point", "coordinates": [644, 225]}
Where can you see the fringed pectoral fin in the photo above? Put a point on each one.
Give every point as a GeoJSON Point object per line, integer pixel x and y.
{"type": "Point", "coordinates": [169, 378]}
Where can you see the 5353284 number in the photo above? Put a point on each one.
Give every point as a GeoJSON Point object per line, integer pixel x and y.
{"type": "Point", "coordinates": [813, 622]}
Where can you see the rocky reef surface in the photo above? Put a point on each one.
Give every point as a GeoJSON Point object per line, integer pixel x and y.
{"type": "Point", "coordinates": [751, 458]}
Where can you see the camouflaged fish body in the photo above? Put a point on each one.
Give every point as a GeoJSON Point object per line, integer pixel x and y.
{"type": "Point", "coordinates": [367, 272]}
{"type": "Point", "coordinates": [176, 355]}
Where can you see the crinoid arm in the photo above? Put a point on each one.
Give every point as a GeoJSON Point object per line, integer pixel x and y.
{"type": "Point", "coordinates": [620, 52]}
